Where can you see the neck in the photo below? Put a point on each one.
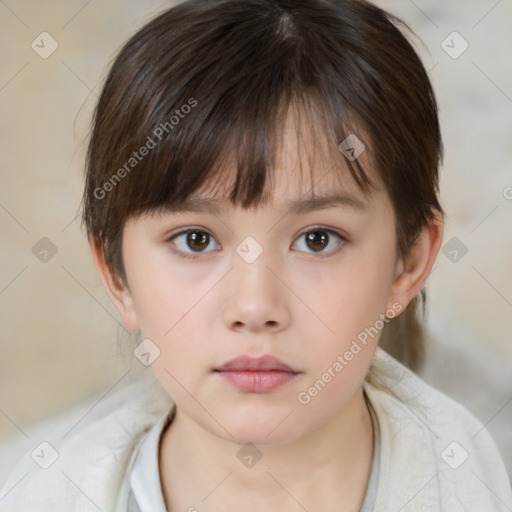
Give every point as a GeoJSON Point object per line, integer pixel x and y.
{"type": "Point", "coordinates": [329, 466]}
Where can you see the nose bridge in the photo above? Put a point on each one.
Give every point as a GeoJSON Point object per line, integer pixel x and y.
{"type": "Point", "coordinates": [252, 272]}
{"type": "Point", "coordinates": [257, 299]}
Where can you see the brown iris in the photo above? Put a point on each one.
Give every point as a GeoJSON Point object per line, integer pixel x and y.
{"type": "Point", "coordinates": [198, 240]}
{"type": "Point", "coordinates": [317, 240]}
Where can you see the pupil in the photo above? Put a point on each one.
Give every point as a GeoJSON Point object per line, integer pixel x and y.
{"type": "Point", "coordinates": [198, 240]}
{"type": "Point", "coordinates": [317, 240]}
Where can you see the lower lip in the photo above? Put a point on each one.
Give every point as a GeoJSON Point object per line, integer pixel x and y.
{"type": "Point", "coordinates": [258, 381]}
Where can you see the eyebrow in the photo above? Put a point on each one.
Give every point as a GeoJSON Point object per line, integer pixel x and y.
{"type": "Point", "coordinates": [294, 206]}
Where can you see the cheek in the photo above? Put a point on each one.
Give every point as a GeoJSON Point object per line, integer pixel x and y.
{"type": "Point", "coordinates": [173, 311]}
{"type": "Point", "coordinates": [350, 310]}
{"type": "Point", "coordinates": [349, 302]}
{"type": "Point", "coordinates": [347, 297]}
{"type": "Point", "coordinates": [170, 320]}
{"type": "Point", "coordinates": [164, 293]}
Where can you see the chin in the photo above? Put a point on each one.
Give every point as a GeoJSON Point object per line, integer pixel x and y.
{"type": "Point", "coordinates": [250, 436]}
{"type": "Point", "coordinates": [262, 428]}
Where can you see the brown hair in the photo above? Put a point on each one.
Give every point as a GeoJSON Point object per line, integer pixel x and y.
{"type": "Point", "coordinates": [210, 81]}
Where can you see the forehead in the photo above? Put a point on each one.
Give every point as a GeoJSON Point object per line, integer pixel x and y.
{"type": "Point", "coordinates": [309, 172]}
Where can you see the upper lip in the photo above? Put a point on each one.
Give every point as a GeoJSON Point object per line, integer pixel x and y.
{"type": "Point", "coordinates": [254, 364]}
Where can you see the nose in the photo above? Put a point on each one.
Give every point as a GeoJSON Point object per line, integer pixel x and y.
{"type": "Point", "coordinates": [256, 297]}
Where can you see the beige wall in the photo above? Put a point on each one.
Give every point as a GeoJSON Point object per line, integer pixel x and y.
{"type": "Point", "coordinates": [59, 331]}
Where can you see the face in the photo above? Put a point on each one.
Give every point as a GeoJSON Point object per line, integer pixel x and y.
{"type": "Point", "coordinates": [305, 286]}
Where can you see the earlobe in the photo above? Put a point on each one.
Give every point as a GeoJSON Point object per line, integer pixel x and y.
{"type": "Point", "coordinates": [412, 273]}
{"type": "Point", "coordinates": [117, 291]}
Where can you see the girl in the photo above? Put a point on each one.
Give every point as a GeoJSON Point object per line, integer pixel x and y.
{"type": "Point", "coordinates": [261, 204]}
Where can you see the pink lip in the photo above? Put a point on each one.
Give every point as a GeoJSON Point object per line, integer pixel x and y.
{"type": "Point", "coordinates": [262, 363]}
{"type": "Point", "coordinates": [257, 375]}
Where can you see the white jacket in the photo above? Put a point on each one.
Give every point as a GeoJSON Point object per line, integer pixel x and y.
{"type": "Point", "coordinates": [434, 455]}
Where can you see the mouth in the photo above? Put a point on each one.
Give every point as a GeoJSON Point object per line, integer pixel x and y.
{"type": "Point", "coordinates": [257, 375]}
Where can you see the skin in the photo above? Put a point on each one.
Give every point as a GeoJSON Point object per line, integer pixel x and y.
{"type": "Point", "coordinates": [302, 306]}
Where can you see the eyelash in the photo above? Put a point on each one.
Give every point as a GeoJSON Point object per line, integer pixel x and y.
{"type": "Point", "coordinates": [309, 230]}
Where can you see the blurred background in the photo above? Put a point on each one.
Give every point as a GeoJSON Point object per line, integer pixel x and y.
{"type": "Point", "coordinates": [59, 332]}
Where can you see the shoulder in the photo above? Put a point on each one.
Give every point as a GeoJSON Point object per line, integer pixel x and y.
{"type": "Point", "coordinates": [406, 397]}
{"type": "Point", "coordinates": [80, 462]}
{"type": "Point", "coordinates": [433, 450]}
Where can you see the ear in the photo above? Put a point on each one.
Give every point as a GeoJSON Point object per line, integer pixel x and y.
{"type": "Point", "coordinates": [410, 275]}
{"type": "Point", "coordinates": [117, 291]}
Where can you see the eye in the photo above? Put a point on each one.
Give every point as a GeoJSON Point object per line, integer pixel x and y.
{"type": "Point", "coordinates": [318, 238]}
{"type": "Point", "coordinates": [193, 242]}
{"type": "Point", "coordinates": [192, 238]}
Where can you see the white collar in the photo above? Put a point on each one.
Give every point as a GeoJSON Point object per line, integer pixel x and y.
{"type": "Point", "coordinates": [145, 476]}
